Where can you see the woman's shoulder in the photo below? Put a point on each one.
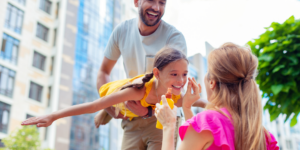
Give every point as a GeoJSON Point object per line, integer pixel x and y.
{"type": "Point", "coordinates": [271, 142]}
{"type": "Point", "coordinates": [214, 121]}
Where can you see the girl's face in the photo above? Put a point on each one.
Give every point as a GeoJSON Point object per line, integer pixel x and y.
{"type": "Point", "coordinates": [174, 76]}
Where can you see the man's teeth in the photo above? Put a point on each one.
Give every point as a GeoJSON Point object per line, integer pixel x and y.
{"type": "Point", "coordinates": [152, 14]}
{"type": "Point", "coordinates": [176, 86]}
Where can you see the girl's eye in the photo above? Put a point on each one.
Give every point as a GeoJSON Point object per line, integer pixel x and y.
{"type": "Point", "coordinates": [184, 74]}
{"type": "Point", "coordinates": [174, 74]}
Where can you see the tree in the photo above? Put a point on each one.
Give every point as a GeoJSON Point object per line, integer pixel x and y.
{"type": "Point", "coordinates": [278, 52]}
{"type": "Point", "coordinates": [23, 139]}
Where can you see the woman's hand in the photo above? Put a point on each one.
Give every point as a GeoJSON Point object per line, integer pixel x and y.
{"type": "Point", "coordinates": [190, 98]}
{"type": "Point", "coordinates": [164, 114]}
{"type": "Point", "coordinates": [42, 121]}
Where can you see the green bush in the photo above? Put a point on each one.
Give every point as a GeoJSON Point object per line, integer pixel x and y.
{"type": "Point", "coordinates": [26, 138]}
{"type": "Point", "coordinates": [278, 52]}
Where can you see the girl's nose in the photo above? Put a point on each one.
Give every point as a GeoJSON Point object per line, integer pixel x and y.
{"type": "Point", "coordinates": [180, 79]}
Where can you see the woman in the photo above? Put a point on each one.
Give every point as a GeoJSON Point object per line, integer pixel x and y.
{"type": "Point", "coordinates": [233, 117]}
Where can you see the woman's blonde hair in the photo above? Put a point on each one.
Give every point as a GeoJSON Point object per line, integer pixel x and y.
{"type": "Point", "coordinates": [234, 69]}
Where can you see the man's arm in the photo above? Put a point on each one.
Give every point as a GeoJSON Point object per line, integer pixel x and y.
{"type": "Point", "coordinates": [104, 72]}
{"type": "Point", "coordinates": [103, 78]}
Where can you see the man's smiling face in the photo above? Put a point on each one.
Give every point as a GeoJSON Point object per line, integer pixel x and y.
{"type": "Point", "coordinates": [151, 11]}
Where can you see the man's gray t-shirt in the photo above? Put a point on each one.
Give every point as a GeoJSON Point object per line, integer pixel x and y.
{"type": "Point", "coordinates": [138, 51]}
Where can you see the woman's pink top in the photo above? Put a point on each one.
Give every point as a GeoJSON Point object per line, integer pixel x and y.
{"type": "Point", "coordinates": [221, 128]}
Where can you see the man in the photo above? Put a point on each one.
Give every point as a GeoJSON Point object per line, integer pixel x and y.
{"type": "Point", "coordinates": [138, 40]}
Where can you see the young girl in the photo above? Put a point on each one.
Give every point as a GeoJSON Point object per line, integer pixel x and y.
{"type": "Point", "coordinates": [233, 117]}
{"type": "Point", "coordinates": [170, 71]}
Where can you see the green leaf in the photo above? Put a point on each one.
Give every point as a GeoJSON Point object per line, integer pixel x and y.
{"type": "Point", "coordinates": [286, 89]}
{"type": "Point", "coordinates": [296, 73]}
{"type": "Point", "coordinates": [270, 48]}
{"type": "Point", "coordinates": [266, 57]}
{"type": "Point", "coordinates": [287, 71]}
{"type": "Point", "coordinates": [277, 68]}
{"type": "Point", "coordinates": [273, 116]}
{"type": "Point", "coordinates": [291, 83]}
{"type": "Point", "coordinates": [264, 64]}
{"type": "Point", "coordinates": [276, 88]}
{"type": "Point", "coordinates": [294, 120]}
{"type": "Point", "coordinates": [293, 59]}
{"type": "Point", "coordinates": [287, 42]}
{"type": "Point", "coordinates": [296, 46]}
{"type": "Point", "coordinates": [290, 20]}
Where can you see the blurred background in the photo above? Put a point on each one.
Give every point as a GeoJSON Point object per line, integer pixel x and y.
{"type": "Point", "coordinates": [51, 51]}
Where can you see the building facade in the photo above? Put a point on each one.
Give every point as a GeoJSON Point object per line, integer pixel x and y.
{"type": "Point", "coordinates": [29, 50]}
{"type": "Point", "coordinates": [51, 51]}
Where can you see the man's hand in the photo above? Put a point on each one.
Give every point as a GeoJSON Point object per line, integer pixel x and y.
{"type": "Point", "coordinates": [111, 111]}
{"type": "Point", "coordinates": [136, 108]}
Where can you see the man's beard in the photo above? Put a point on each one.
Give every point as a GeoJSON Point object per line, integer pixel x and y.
{"type": "Point", "coordinates": [146, 22]}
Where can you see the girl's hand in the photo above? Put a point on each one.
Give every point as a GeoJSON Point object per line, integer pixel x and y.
{"type": "Point", "coordinates": [42, 121]}
{"type": "Point", "coordinates": [190, 98]}
{"type": "Point", "coordinates": [164, 114]}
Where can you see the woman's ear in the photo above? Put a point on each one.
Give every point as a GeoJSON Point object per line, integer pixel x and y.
{"type": "Point", "coordinates": [136, 3]}
{"type": "Point", "coordinates": [212, 84]}
{"type": "Point", "coordinates": [156, 73]}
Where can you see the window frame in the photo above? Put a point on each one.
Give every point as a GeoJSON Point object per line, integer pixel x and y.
{"type": "Point", "coordinates": [8, 76]}
{"type": "Point", "coordinates": [39, 61]}
{"type": "Point", "coordinates": [36, 95]}
{"type": "Point", "coordinates": [2, 109]}
{"type": "Point", "coordinates": [46, 5]}
{"type": "Point", "coordinates": [42, 32]}
{"type": "Point", "coordinates": [14, 18]}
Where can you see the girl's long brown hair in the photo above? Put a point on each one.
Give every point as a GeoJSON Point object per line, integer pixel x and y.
{"type": "Point", "coordinates": [234, 69]}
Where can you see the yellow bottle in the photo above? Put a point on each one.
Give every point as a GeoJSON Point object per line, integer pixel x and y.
{"type": "Point", "coordinates": [171, 104]}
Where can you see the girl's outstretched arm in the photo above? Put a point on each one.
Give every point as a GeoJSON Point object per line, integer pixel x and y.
{"type": "Point", "coordinates": [85, 108]}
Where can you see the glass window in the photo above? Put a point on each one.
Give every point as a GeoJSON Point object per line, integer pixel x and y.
{"type": "Point", "coordinates": [22, 2]}
{"type": "Point", "coordinates": [35, 91]}
{"type": "Point", "coordinates": [14, 18]}
{"type": "Point", "coordinates": [45, 5]}
{"type": "Point", "coordinates": [42, 32]}
{"type": "Point", "coordinates": [57, 10]}
{"type": "Point", "coordinates": [49, 96]}
{"type": "Point", "coordinates": [289, 144]}
{"type": "Point", "coordinates": [28, 116]}
{"type": "Point", "coordinates": [9, 49]}
{"type": "Point", "coordinates": [54, 37]}
{"type": "Point", "coordinates": [7, 79]}
{"type": "Point", "coordinates": [4, 117]}
{"type": "Point", "coordinates": [52, 65]}
{"type": "Point", "coordinates": [86, 22]}
{"type": "Point", "coordinates": [39, 61]}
